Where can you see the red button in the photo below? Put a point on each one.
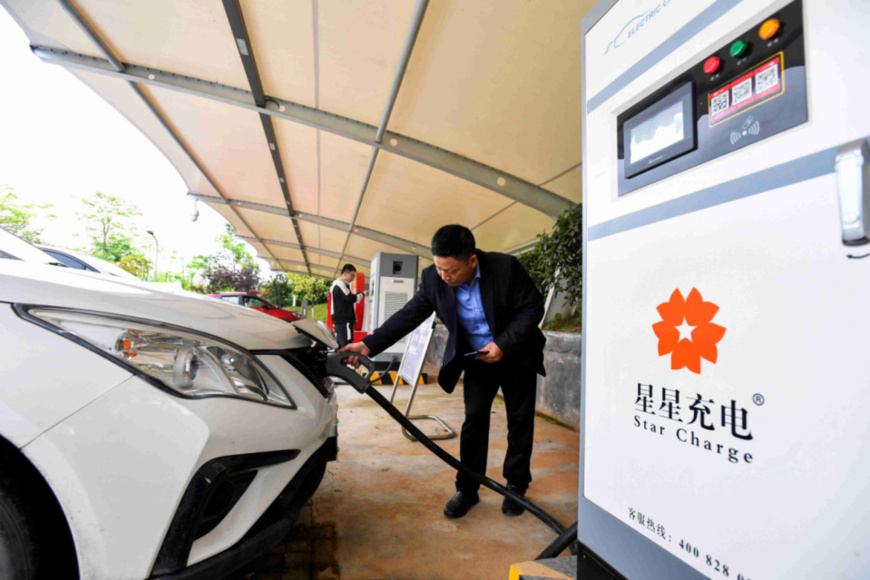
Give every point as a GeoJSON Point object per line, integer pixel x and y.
{"type": "Point", "coordinates": [711, 65]}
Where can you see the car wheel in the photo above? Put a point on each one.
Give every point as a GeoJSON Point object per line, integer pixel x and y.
{"type": "Point", "coordinates": [19, 548]}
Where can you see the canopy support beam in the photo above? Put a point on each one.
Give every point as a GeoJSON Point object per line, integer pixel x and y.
{"type": "Point", "coordinates": [278, 267]}
{"type": "Point", "coordinates": [488, 177]}
{"type": "Point", "coordinates": [398, 77]}
{"type": "Point", "coordinates": [282, 262]}
{"type": "Point", "coordinates": [246, 53]}
{"type": "Point", "coordinates": [309, 249]}
{"type": "Point", "coordinates": [374, 235]}
{"type": "Point", "coordinates": [122, 70]}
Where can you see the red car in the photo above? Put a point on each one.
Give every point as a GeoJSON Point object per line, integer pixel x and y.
{"type": "Point", "coordinates": [257, 303]}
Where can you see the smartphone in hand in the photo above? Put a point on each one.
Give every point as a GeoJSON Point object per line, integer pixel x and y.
{"type": "Point", "coordinates": [475, 353]}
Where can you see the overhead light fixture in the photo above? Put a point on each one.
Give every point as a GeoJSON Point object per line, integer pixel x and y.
{"type": "Point", "coordinates": [272, 146]}
{"type": "Point", "coordinates": [194, 215]}
{"type": "Point", "coordinates": [243, 46]}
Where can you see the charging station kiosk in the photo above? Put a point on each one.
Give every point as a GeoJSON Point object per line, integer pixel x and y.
{"type": "Point", "coordinates": [726, 267]}
{"type": "Point", "coordinates": [393, 283]}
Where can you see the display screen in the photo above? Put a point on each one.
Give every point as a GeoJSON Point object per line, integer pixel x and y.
{"type": "Point", "coordinates": [658, 132]}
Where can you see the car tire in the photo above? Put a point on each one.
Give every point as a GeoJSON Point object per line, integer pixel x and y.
{"type": "Point", "coordinates": [19, 539]}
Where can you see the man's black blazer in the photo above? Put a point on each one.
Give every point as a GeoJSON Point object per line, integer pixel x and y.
{"type": "Point", "coordinates": [513, 308]}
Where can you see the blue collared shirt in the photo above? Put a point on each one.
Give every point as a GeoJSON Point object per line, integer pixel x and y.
{"type": "Point", "coordinates": [471, 315]}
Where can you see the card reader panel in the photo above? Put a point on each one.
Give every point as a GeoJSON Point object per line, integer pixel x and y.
{"type": "Point", "coordinates": [749, 89]}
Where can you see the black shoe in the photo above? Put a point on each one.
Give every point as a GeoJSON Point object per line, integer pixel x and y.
{"type": "Point", "coordinates": [459, 504]}
{"type": "Point", "coordinates": [510, 507]}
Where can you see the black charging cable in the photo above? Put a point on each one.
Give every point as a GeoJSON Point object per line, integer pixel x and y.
{"type": "Point", "coordinates": [568, 538]}
{"type": "Point", "coordinates": [336, 367]}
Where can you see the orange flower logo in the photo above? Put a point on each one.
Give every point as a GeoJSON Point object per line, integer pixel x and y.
{"type": "Point", "coordinates": [686, 331]}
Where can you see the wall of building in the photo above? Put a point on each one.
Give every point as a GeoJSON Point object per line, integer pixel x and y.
{"type": "Point", "coordinates": [559, 392]}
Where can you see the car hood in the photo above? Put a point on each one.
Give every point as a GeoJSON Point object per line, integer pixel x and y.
{"type": "Point", "coordinates": [42, 285]}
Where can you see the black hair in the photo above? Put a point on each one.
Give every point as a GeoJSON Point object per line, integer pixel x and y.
{"type": "Point", "coordinates": [453, 241]}
{"type": "Point", "coordinates": [347, 268]}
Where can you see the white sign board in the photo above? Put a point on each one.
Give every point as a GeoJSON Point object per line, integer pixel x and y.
{"type": "Point", "coordinates": [415, 353]}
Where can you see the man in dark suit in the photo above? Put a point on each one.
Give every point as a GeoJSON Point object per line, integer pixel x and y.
{"type": "Point", "coordinates": [489, 304]}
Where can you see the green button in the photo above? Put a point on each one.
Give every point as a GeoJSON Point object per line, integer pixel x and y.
{"type": "Point", "coordinates": [739, 48]}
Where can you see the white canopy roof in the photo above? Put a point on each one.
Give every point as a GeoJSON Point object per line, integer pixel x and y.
{"type": "Point", "coordinates": [328, 130]}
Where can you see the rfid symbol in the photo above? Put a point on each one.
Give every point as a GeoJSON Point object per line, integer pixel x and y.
{"type": "Point", "coordinates": [750, 127]}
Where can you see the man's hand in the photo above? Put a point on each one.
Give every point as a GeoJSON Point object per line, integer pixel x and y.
{"type": "Point", "coordinates": [493, 353]}
{"type": "Point", "coordinates": [359, 348]}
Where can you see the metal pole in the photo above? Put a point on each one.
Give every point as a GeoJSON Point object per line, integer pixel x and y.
{"type": "Point", "coordinates": [398, 77]}
{"type": "Point", "coordinates": [156, 253]}
{"type": "Point", "coordinates": [121, 68]}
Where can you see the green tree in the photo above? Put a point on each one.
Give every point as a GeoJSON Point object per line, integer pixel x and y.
{"type": "Point", "coordinates": [556, 261]}
{"type": "Point", "coordinates": [136, 264]}
{"type": "Point", "coordinates": [236, 249]}
{"type": "Point", "coordinates": [118, 246]}
{"type": "Point", "coordinates": [197, 266]}
{"type": "Point", "coordinates": [175, 261]}
{"type": "Point", "coordinates": [280, 289]}
{"type": "Point", "coordinates": [537, 269]}
{"type": "Point", "coordinates": [231, 269]}
{"type": "Point", "coordinates": [310, 288]}
{"type": "Point", "coordinates": [17, 218]}
{"type": "Point", "coordinates": [107, 222]}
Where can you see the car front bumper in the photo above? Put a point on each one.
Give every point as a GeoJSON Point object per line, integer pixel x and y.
{"type": "Point", "coordinates": [269, 530]}
{"type": "Point", "coordinates": [120, 468]}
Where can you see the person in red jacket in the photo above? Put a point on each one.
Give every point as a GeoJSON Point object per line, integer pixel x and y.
{"type": "Point", "coordinates": [491, 310]}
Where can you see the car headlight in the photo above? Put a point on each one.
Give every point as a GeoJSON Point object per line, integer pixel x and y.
{"type": "Point", "coordinates": [190, 364]}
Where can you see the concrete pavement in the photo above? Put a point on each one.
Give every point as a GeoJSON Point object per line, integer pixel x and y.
{"type": "Point", "coordinates": [378, 512]}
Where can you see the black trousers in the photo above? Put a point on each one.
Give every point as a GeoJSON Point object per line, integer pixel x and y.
{"type": "Point", "coordinates": [343, 332]}
{"type": "Point", "coordinates": [518, 385]}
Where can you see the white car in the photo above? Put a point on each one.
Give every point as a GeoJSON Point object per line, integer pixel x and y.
{"type": "Point", "coordinates": [145, 434]}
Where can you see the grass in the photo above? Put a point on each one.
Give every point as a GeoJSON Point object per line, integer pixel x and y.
{"type": "Point", "coordinates": [571, 323]}
{"type": "Point", "coordinates": [319, 311]}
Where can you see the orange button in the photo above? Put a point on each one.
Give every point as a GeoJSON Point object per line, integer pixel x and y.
{"type": "Point", "coordinates": [769, 29]}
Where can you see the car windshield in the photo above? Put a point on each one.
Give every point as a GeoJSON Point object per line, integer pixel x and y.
{"type": "Point", "coordinates": [65, 258]}
{"type": "Point", "coordinates": [14, 248]}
